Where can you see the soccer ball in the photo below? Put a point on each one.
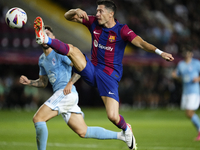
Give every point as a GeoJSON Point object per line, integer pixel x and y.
{"type": "Point", "coordinates": [16, 18]}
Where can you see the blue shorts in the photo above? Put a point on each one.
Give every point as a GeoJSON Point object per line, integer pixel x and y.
{"type": "Point", "coordinates": [106, 85]}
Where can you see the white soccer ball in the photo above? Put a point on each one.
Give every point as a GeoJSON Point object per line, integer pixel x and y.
{"type": "Point", "coordinates": [16, 18]}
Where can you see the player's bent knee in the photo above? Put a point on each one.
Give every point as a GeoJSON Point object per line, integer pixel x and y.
{"type": "Point", "coordinates": [81, 134]}
{"type": "Point", "coordinates": [71, 49]}
{"type": "Point", "coordinates": [37, 119]}
{"type": "Point", "coordinates": [113, 118]}
{"type": "Point", "coordinates": [77, 57]}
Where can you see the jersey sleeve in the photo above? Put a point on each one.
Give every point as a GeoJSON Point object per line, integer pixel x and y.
{"type": "Point", "coordinates": [198, 65]}
{"type": "Point", "coordinates": [178, 72]}
{"type": "Point", "coordinates": [127, 34]}
{"type": "Point", "coordinates": [42, 71]}
{"type": "Point", "coordinates": [89, 23]}
{"type": "Point", "coordinates": [66, 60]}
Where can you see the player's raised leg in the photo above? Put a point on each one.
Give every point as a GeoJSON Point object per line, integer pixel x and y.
{"type": "Point", "coordinates": [74, 54]}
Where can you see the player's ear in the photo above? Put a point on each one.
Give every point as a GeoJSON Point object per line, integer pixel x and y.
{"type": "Point", "coordinates": [111, 14]}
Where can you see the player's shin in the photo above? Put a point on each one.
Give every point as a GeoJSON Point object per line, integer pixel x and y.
{"type": "Point", "coordinates": [58, 46]}
{"type": "Point", "coordinates": [122, 124]}
{"type": "Point", "coordinates": [101, 133]}
{"type": "Point", "coordinates": [196, 121]}
{"type": "Point", "coordinates": [41, 135]}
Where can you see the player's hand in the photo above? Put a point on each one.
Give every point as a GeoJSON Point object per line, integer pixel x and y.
{"type": "Point", "coordinates": [24, 80]}
{"type": "Point", "coordinates": [197, 79]}
{"type": "Point", "coordinates": [167, 56]}
{"type": "Point", "coordinates": [68, 88]}
{"type": "Point", "coordinates": [82, 14]}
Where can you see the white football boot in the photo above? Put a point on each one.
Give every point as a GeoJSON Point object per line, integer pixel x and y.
{"type": "Point", "coordinates": [129, 138]}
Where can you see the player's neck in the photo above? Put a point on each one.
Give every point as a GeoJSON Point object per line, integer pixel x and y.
{"type": "Point", "coordinates": [47, 51]}
{"type": "Point", "coordinates": [188, 60]}
{"type": "Point", "coordinates": [110, 23]}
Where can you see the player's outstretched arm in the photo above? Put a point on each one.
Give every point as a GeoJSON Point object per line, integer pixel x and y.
{"type": "Point", "coordinates": [139, 42]}
{"type": "Point", "coordinates": [76, 15]}
{"type": "Point", "coordinates": [42, 82]}
{"type": "Point", "coordinates": [197, 79]}
{"type": "Point", "coordinates": [73, 80]}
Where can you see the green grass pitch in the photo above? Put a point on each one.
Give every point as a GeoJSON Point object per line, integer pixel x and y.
{"type": "Point", "coordinates": [153, 129]}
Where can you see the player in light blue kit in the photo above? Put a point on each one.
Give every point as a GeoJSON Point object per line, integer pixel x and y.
{"type": "Point", "coordinates": [188, 70]}
{"type": "Point", "coordinates": [57, 68]}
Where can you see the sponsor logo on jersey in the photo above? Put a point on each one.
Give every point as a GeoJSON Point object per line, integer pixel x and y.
{"type": "Point", "coordinates": [112, 38]}
{"type": "Point", "coordinates": [108, 48]}
{"type": "Point", "coordinates": [52, 77]}
{"type": "Point", "coordinates": [53, 61]}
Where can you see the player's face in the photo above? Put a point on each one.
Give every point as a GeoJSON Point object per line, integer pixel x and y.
{"type": "Point", "coordinates": [188, 54]}
{"type": "Point", "coordinates": [103, 15]}
{"type": "Point", "coordinates": [49, 34]}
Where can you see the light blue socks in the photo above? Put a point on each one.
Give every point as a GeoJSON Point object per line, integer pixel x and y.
{"type": "Point", "coordinates": [41, 135]}
{"type": "Point", "coordinates": [195, 120]}
{"type": "Point", "coordinates": [101, 133]}
{"type": "Point", "coordinates": [92, 132]}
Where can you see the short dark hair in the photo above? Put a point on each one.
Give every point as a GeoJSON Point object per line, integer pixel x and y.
{"type": "Point", "coordinates": [186, 48]}
{"type": "Point", "coordinates": [108, 4]}
{"type": "Point", "coordinates": [48, 28]}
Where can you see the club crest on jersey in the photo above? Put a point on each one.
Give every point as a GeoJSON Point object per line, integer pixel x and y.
{"type": "Point", "coordinates": [53, 61]}
{"type": "Point", "coordinates": [112, 38]}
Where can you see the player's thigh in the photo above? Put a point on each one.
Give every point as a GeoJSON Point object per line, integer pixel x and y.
{"type": "Point", "coordinates": [77, 57]}
{"type": "Point", "coordinates": [189, 113]}
{"type": "Point", "coordinates": [44, 113]}
{"type": "Point", "coordinates": [77, 124]}
{"type": "Point", "coordinates": [62, 103]}
{"type": "Point", "coordinates": [88, 73]}
{"type": "Point", "coordinates": [112, 108]}
{"type": "Point", "coordinates": [107, 85]}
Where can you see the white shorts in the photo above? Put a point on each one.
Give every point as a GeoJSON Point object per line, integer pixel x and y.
{"type": "Point", "coordinates": [190, 102]}
{"type": "Point", "coordinates": [64, 104]}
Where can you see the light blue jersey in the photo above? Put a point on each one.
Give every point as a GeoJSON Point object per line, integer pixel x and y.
{"type": "Point", "coordinates": [189, 71]}
{"type": "Point", "coordinates": [57, 68]}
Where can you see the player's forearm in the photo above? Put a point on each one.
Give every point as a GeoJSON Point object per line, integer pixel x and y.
{"type": "Point", "coordinates": [139, 42]}
{"type": "Point", "coordinates": [74, 78]}
{"type": "Point", "coordinates": [197, 79]}
{"type": "Point", "coordinates": [148, 47]}
{"type": "Point", "coordinates": [152, 49]}
{"type": "Point", "coordinates": [38, 83]}
{"type": "Point", "coordinates": [175, 76]}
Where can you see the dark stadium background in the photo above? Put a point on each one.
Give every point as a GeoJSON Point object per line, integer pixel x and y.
{"type": "Point", "coordinates": [146, 83]}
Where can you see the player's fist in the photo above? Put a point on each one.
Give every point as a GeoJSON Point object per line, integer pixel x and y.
{"type": "Point", "coordinates": [167, 56]}
{"type": "Point", "coordinates": [68, 88]}
{"type": "Point", "coordinates": [24, 80]}
{"type": "Point", "coordinates": [82, 14]}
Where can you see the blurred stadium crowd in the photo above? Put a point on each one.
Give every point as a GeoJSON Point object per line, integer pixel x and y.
{"type": "Point", "coordinates": [168, 24]}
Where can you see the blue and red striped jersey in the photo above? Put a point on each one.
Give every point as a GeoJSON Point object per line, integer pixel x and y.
{"type": "Point", "coordinates": [108, 45]}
